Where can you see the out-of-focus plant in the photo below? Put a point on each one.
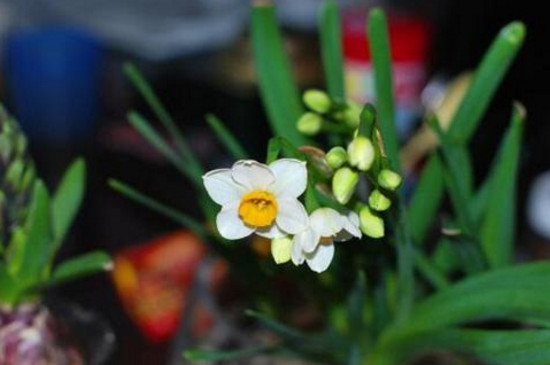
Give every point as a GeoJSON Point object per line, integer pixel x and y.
{"type": "Point", "coordinates": [388, 295]}
{"type": "Point", "coordinates": [33, 224]}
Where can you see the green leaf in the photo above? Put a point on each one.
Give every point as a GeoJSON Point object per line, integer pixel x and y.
{"type": "Point", "coordinates": [154, 205]}
{"type": "Point", "coordinates": [209, 355]}
{"type": "Point", "coordinates": [488, 76]}
{"type": "Point", "coordinates": [431, 272]}
{"type": "Point", "coordinates": [67, 199]}
{"type": "Point", "coordinates": [426, 200]}
{"type": "Point", "coordinates": [144, 128]}
{"type": "Point", "coordinates": [9, 290]}
{"type": "Point", "coordinates": [331, 49]}
{"type": "Point", "coordinates": [377, 29]}
{"type": "Point", "coordinates": [498, 228]}
{"type": "Point", "coordinates": [86, 264]}
{"type": "Point", "coordinates": [162, 114]}
{"type": "Point", "coordinates": [279, 92]}
{"type": "Point", "coordinates": [38, 248]}
{"type": "Point", "coordinates": [356, 302]}
{"type": "Point", "coordinates": [515, 293]}
{"type": "Point", "coordinates": [503, 347]}
{"type": "Point", "coordinates": [224, 136]}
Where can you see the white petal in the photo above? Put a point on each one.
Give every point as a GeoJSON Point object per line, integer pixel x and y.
{"type": "Point", "coordinates": [327, 222]}
{"type": "Point", "coordinates": [253, 175]}
{"type": "Point", "coordinates": [308, 240]}
{"type": "Point", "coordinates": [271, 232]}
{"type": "Point", "coordinates": [229, 224]}
{"type": "Point", "coordinates": [291, 215]}
{"type": "Point", "coordinates": [297, 255]}
{"type": "Point", "coordinates": [320, 259]}
{"type": "Point", "coordinates": [281, 249]}
{"type": "Point", "coordinates": [290, 175]}
{"type": "Point", "coordinates": [350, 228]}
{"type": "Point", "coordinates": [221, 187]}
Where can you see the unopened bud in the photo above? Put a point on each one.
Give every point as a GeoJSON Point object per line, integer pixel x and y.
{"type": "Point", "coordinates": [344, 182]}
{"type": "Point", "coordinates": [336, 157]}
{"type": "Point", "coordinates": [352, 113]}
{"type": "Point", "coordinates": [317, 100]}
{"type": "Point", "coordinates": [371, 224]}
{"type": "Point", "coordinates": [361, 153]}
{"type": "Point", "coordinates": [389, 179]}
{"type": "Point", "coordinates": [309, 123]}
{"type": "Point", "coordinates": [379, 201]}
{"type": "Point", "coordinates": [281, 249]}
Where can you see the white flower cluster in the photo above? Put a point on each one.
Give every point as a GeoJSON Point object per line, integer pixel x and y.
{"type": "Point", "coordinates": [263, 199]}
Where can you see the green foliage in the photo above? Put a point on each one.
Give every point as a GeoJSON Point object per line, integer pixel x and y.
{"type": "Point", "coordinates": [331, 49]}
{"type": "Point", "coordinates": [279, 92]}
{"type": "Point", "coordinates": [414, 301]}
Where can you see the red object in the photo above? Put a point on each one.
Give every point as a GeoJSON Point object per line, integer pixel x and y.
{"type": "Point", "coordinates": [410, 40]}
{"type": "Point", "coordinates": [410, 37]}
{"type": "Point", "coordinates": [153, 280]}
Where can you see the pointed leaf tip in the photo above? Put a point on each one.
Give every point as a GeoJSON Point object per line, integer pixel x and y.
{"type": "Point", "coordinates": [514, 32]}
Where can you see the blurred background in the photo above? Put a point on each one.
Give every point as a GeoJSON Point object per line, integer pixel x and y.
{"type": "Point", "coordinates": [61, 76]}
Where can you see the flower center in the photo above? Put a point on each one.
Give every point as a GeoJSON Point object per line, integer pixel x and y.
{"type": "Point", "coordinates": [258, 208]}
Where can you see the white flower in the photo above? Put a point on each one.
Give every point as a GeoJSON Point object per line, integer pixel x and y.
{"type": "Point", "coordinates": [257, 198]}
{"type": "Point", "coordinates": [315, 245]}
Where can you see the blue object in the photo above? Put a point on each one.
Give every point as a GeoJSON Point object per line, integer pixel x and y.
{"type": "Point", "coordinates": [53, 76]}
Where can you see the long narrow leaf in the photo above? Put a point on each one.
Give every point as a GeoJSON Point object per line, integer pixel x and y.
{"type": "Point", "coordinates": [515, 293]}
{"type": "Point", "coordinates": [226, 138]}
{"type": "Point", "coordinates": [331, 49]}
{"type": "Point", "coordinates": [162, 114]}
{"type": "Point", "coordinates": [486, 80]}
{"type": "Point", "coordinates": [145, 129]}
{"type": "Point", "coordinates": [279, 92]}
{"type": "Point", "coordinates": [67, 199]}
{"type": "Point", "coordinates": [498, 229]}
{"type": "Point", "coordinates": [86, 264]}
{"type": "Point", "coordinates": [504, 347]}
{"type": "Point", "coordinates": [206, 355]}
{"type": "Point", "coordinates": [488, 77]}
{"type": "Point", "coordinates": [38, 247]}
{"type": "Point", "coordinates": [426, 200]}
{"type": "Point", "coordinates": [158, 207]}
{"type": "Point", "coordinates": [377, 29]}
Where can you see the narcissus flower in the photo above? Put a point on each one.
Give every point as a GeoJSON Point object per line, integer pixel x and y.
{"type": "Point", "coordinates": [315, 245]}
{"type": "Point", "coordinates": [258, 198]}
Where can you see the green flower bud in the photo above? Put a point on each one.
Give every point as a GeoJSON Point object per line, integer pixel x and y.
{"type": "Point", "coordinates": [317, 100]}
{"type": "Point", "coordinates": [389, 179]}
{"type": "Point", "coordinates": [379, 201]}
{"type": "Point", "coordinates": [361, 153]}
{"type": "Point", "coordinates": [352, 113]}
{"type": "Point", "coordinates": [336, 157]}
{"type": "Point", "coordinates": [281, 249]}
{"type": "Point", "coordinates": [344, 182]}
{"type": "Point", "coordinates": [370, 224]}
{"type": "Point", "coordinates": [309, 123]}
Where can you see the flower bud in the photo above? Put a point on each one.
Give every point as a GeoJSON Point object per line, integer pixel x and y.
{"type": "Point", "coordinates": [309, 123]}
{"type": "Point", "coordinates": [379, 201]}
{"type": "Point", "coordinates": [352, 113]}
{"type": "Point", "coordinates": [281, 249]}
{"type": "Point", "coordinates": [336, 157]}
{"type": "Point", "coordinates": [317, 100]}
{"type": "Point", "coordinates": [389, 179]}
{"type": "Point", "coordinates": [361, 153]}
{"type": "Point", "coordinates": [370, 224]}
{"type": "Point", "coordinates": [344, 182]}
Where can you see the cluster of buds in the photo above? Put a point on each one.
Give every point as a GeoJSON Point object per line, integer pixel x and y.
{"type": "Point", "coordinates": [364, 157]}
{"type": "Point", "coordinates": [17, 175]}
{"type": "Point", "coordinates": [325, 113]}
